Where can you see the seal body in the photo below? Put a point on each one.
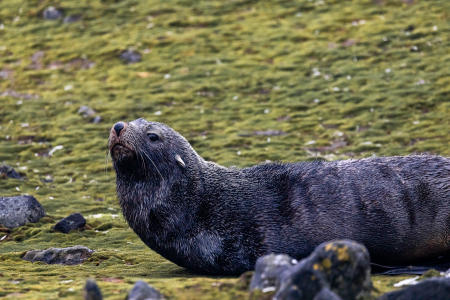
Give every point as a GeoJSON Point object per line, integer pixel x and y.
{"type": "Point", "coordinates": [217, 220]}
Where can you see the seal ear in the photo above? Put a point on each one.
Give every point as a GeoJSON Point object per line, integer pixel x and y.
{"type": "Point", "coordinates": [180, 161]}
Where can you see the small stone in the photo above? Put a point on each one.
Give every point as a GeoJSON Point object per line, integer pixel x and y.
{"type": "Point", "coordinates": [86, 111]}
{"type": "Point", "coordinates": [71, 19]}
{"type": "Point", "coordinates": [51, 13]}
{"type": "Point", "coordinates": [97, 119]}
{"type": "Point", "coordinates": [19, 210]}
{"type": "Point", "coordinates": [142, 291]}
{"type": "Point", "coordinates": [268, 270]}
{"type": "Point", "coordinates": [7, 171]}
{"type": "Point", "coordinates": [433, 288]}
{"type": "Point", "coordinates": [410, 28]}
{"type": "Point", "coordinates": [65, 256]}
{"type": "Point", "coordinates": [90, 114]}
{"type": "Point", "coordinates": [74, 221]}
{"type": "Point", "coordinates": [92, 291]}
{"type": "Point", "coordinates": [130, 56]}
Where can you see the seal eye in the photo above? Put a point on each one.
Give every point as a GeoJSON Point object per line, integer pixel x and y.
{"type": "Point", "coordinates": [152, 136]}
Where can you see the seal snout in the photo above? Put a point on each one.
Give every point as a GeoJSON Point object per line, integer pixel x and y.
{"type": "Point", "coordinates": [118, 142]}
{"type": "Point", "coordinates": [118, 127]}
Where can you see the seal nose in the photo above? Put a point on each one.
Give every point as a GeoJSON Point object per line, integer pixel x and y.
{"type": "Point", "coordinates": [118, 127]}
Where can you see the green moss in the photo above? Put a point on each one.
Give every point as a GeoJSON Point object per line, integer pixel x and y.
{"type": "Point", "coordinates": [341, 78]}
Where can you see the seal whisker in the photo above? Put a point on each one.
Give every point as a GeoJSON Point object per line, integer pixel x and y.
{"type": "Point", "coordinates": [151, 160]}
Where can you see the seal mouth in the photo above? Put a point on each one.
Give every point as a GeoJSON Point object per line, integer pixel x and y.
{"type": "Point", "coordinates": [120, 151]}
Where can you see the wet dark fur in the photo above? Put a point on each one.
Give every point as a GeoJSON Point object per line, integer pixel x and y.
{"type": "Point", "coordinates": [218, 220]}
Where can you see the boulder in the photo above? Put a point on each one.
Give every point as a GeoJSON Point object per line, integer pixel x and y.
{"type": "Point", "coordinates": [65, 256]}
{"type": "Point", "coordinates": [437, 288]}
{"type": "Point", "coordinates": [342, 266]}
{"type": "Point", "coordinates": [74, 221]}
{"type": "Point", "coordinates": [268, 271]}
{"type": "Point", "coordinates": [19, 210]}
{"type": "Point", "coordinates": [142, 291]}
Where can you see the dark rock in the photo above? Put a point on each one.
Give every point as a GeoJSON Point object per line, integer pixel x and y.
{"type": "Point", "coordinates": [92, 291]}
{"type": "Point", "coordinates": [71, 19]}
{"type": "Point", "coordinates": [410, 28]}
{"type": "Point", "coordinates": [433, 288]}
{"type": "Point", "coordinates": [130, 56]}
{"type": "Point", "coordinates": [51, 13]}
{"type": "Point", "coordinates": [268, 270]}
{"type": "Point", "coordinates": [65, 256]}
{"type": "Point", "coordinates": [302, 284]}
{"type": "Point", "coordinates": [142, 291]}
{"type": "Point", "coordinates": [342, 266]}
{"type": "Point", "coordinates": [7, 171]}
{"type": "Point", "coordinates": [19, 210]}
{"type": "Point", "coordinates": [74, 221]}
{"type": "Point", "coordinates": [326, 294]}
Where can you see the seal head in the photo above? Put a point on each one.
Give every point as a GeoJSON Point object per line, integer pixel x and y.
{"type": "Point", "coordinates": [147, 149]}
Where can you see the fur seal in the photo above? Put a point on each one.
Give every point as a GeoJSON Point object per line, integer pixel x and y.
{"type": "Point", "coordinates": [217, 220]}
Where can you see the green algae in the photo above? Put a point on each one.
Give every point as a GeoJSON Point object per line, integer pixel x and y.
{"type": "Point", "coordinates": [342, 79]}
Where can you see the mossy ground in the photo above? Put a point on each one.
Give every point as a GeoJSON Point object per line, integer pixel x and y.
{"type": "Point", "coordinates": [341, 78]}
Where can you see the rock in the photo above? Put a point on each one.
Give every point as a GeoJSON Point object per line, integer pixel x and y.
{"type": "Point", "coordinates": [130, 56]}
{"type": "Point", "coordinates": [97, 119]}
{"type": "Point", "coordinates": [74, 221]}
{"type": "Point", "coordinates": [301, 284]}
{"type": "Point", "coordinates": [7, 171]}
{"type": "Point", "coordinates": [342, 266]}
{"type": "Point", "coordinates": [433, 288]}
{"type": "Point", "coordinates": [92, 291]}
{"type": "Point", "coordinates": [326, 294]}
{"type": "Point", "coordinates": [19, 210]}
{"type": "Point", "coordinates": [71, 19]}
{"type": "Point", "coordinates": [90, 114]}
{"type": "Point", "coordinates": [142, 291]}
{"type": "Point", "coordinates": [65, 256]}
{"type": "Point", "coordinates": [268, 270]}
{"type": "Point", "coordinates": [51, 13]}
{"type": "Point", "coordinates": [86, 111]}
